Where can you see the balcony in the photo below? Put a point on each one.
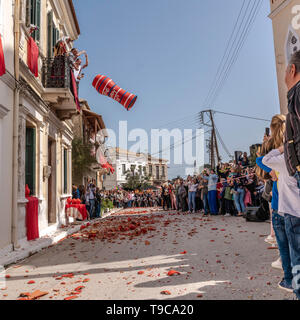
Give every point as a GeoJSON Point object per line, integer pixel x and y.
{"type": "Point", "coordinates": [56, 78]}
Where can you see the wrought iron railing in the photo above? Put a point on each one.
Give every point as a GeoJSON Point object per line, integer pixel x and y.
{"type": "Point", "coordinates": [56, 72]}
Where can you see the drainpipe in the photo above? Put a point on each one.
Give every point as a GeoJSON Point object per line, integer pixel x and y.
{"type": "Point", "coordinates": [14, 224]}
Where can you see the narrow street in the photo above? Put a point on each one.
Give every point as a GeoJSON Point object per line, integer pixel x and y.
{"type": "Point", "coordinates": [129, 256]}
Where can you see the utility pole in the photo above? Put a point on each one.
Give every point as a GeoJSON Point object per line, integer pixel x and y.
{"type": "Point", "coordinates": [213, 149]}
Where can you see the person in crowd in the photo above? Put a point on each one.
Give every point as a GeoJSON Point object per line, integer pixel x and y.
{"type": "Point", "coordinates": [221, 198]}
{"type": "Point", "coordinates": [192, 188]}
{"type": "Point", "coordinates": [98, 203]}
{"type": "Point", "coordinates": [212, 191]}
{"type": "Point", "coordinates": [172, 197]}
{"type": "Point", "coordinates": [90, 199]}
{"type": "Point", "coordinates": [238, 196]}
{"type": "Point", "coordinates": [227, 193]}
{"type": "Point", "coordinates": [75, 192]}
{"type": "Point", "coordinates": [182, 194]}
{"type": "Point", "coordinates": [203, 185]}
{"type": "Point", "coordinates": [289, 207]}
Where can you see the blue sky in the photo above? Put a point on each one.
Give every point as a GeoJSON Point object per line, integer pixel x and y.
{"type": "Point", "coordinates": [167, 52]}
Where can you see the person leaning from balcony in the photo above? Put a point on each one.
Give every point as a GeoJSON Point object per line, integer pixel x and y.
{"type": "Point", "coordinates": [61, 46]}
{"type": "Point", "coordinates": [74, 54]}
{"type": "Point", "coordinates": [78, 68]}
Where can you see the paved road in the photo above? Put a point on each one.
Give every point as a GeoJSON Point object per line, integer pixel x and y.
{"type": "Point", "coordinates": [217, 258]}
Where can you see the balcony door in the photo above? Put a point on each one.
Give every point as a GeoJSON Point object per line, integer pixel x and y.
{"type": "Point", "coordinates": [52, 181]}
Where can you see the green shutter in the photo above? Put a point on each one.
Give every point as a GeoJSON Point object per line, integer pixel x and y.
{"type": "Point", "coordinates": [30, 159]}
{"type": "Point", "coordinates": [32, 11]}
{"type": "Point", "coordinates": [28, 12]}
{"type": "Point", "coordinates": [38, 19]}
{"type": "Point", "coordinates": [50, 31]}
{"type": "Point", "coordinates": [65, 171]}
{"type": "Point", "coordinates": [35, 17]}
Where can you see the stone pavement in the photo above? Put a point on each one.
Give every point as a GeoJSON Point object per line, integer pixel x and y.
{"type": "Point", "coordinates": [216, 258]}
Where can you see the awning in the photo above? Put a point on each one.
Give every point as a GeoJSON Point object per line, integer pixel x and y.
{"type": "Point", "coordinates": [95, 120]}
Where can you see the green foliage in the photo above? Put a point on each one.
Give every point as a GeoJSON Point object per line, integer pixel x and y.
{"type": "Point", "coordinates": [106, 204]}
{"type": "Point", "coordinates": [136, 181]}
{"type": "Point", "coordinates": [82, 158]}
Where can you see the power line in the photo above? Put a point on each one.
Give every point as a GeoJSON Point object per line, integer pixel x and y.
{"type": "Point", "coordinates": [236, 46]}
{"type": "Point", "coordinates": [234, 58]}
{"type": "Point", "coordinates": [225, 53]}
{"type": "Point", "coordinates": [242, 116]}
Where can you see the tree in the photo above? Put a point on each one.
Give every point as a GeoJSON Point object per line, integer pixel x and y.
{"type": "Point", "coordinates": [136, 181]}
{"type": "Point", "coordinates": [82, 158]}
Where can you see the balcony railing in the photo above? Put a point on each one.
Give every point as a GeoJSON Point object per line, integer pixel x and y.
{"type": "Point", "coordinates": [56, 72]}
{"type": "Point", "coordinates": [57, 81]}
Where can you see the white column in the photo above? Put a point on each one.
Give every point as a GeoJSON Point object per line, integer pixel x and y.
{"type": "Point", "coordinates": [70, 170]}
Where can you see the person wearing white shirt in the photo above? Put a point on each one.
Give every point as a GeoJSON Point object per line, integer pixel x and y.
{"type": "Point", "coordinates": [289, 207]}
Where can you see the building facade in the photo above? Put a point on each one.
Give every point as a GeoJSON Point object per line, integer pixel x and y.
{"type": "Point", "coordinates": [7, 86]}
{"type": "Point", "coordinates": [90, 128]}
{"type": "Point", "coordinates": [35, 116]}
{"type": "Point", "coordinates": [285, 15]}
{"type": "Point", "coordinates": [125, 161]}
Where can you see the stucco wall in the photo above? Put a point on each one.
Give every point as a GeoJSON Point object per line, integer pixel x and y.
{"type": "Point", "coordinates": [6, 124]}
{"type": "Point", "coordinates": [282, 16]}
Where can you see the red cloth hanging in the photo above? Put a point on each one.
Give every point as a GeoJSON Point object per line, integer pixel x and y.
{"type": "Point", "coordinates": [75, 93]}
{"type": "Point", "coordinates": [33, 57]}
{"type": "Point", "coordinates": [112, 170]}
{"type": "Point", "coordinates": [32, 216]}
{"type": "Point", "coordinates": [2, 60]}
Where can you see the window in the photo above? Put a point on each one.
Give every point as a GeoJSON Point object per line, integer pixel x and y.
{"type": "Point", "coordinates": [157, 172]}
{"type": "Point", "coordinates": [65, 171]}
{"type": "Point", "coordinates": [33, 16]}
{"type": "Point", "coordinates": [30, 164]}
{"type": "Point", "coordinates": [123, 168]}
{"type": "Point", "coordinates": [140, 170]}
{"type": "Point", "coordinates": [150, 170]}
{"type": "Point", "coordinates": [163, 171]}
{"type": "Point", "coordinates": [53, 34]}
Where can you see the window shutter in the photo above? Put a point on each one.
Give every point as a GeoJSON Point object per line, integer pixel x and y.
{"type": "Point", "coordinates": [28, 12]}
{"type": "Point", "coordinates": [32, 12]}
{"type": "Point", "coordinates": [38, 19]}
{"type": "Point", "coordinates": [30, 159]}
{"type": "Point", "coordinates": [50, 31]}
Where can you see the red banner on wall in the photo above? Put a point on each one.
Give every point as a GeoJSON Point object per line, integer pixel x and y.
{"type": "Point", "coordinates": [33, 57]}
{"type": "Point", "coordinates": [2, 60]}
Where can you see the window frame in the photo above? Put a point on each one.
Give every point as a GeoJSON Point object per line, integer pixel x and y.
{"type": "Point", "coordinates": [33, 16]}
{"type": "Point", "coordinates": [30, 162]}
{"type": "Point", "coordinates": [65, 171]}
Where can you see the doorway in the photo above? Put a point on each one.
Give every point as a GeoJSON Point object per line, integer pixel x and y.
{"type": "Point", "coordinates": [52, 182]}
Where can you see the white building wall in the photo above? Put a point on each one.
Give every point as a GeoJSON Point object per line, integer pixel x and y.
{"type": "Point", "coordinates": [6, 123]}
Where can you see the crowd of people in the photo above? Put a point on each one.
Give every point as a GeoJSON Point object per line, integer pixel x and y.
{"type": "Point", "coordinates": [233, 187]}
{"type": "Point", "coordinates": [228, 190]}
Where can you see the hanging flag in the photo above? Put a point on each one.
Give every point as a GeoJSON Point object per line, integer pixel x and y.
{"type": "Point", "coordinates": [74, 91]}
{"type": "Point", "coordinates": [107, 87]}
{"type": "Point", "coordinates": [33, 57]}
{"type": "Point", "coordinates": [2, 60]}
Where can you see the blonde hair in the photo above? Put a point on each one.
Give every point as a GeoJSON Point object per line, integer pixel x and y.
{"type": "Point", "coordinates": [277, 131]}
{"type": "Point", "coordinates": [276, 140]}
